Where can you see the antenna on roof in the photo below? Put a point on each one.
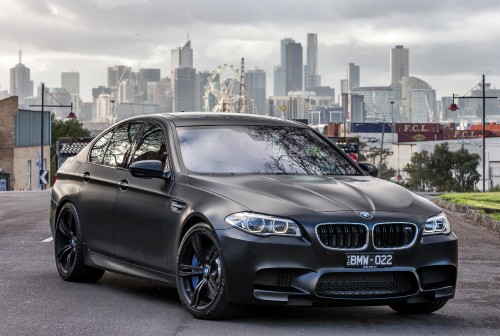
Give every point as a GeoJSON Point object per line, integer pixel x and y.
{"type": "Point", "coordinates": [20, 54]}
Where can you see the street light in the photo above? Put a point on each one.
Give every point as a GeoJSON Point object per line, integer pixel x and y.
{"type": "Point", "coordinates": [453, 107]}
{"type": "Point", "coordinates": [43, 172]}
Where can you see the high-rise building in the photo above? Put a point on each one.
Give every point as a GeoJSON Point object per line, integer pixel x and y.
{"type": "Point", "coordinates": [280, 86]}
{"type": "Point", "coordinates": [201, 83]}
{"type": "Point", "coordinates": [184, 87]}
{"type": "Point", "coordinates": [183, 78]}
{"type": "Point", "coordinates": [400, 63]}
{"type": "Point", "coordinates": [377, 102]}
{"type": "Point", "coordinates": [118, 73]}
{"type": "Point", "coordinates": [279, 81]}
{"type": "Point", "coordinates": [160, 93]}
{"type": "Point", "coordinates": [410, 84]}
{"type": "Point", "coordinates": [146, 76]}
{"type": "Point", "coordinates": [294, 66]}
{"type": "Point", "coordinates": [71, 82]}
{"type": "Point", "coordinates": [424, 106]}
{"type": "Point", "coordinates": [344, 86]}
{"type": "Point", "coordinates": [21, 84]}
{"type": "Point", "coordinates": [311, 77]}
{"type": "Point", "coordinates": [256, 90]}
{"type": "Point", "coordinates": [353, 76]}
{"type": "Point", "coordinates": [182, 56]}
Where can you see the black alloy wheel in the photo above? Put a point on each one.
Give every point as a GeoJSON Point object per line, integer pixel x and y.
{"type": "Point", "coordinates": [200, 276]}
{"type": "Point", "coordinates": [68, 243]}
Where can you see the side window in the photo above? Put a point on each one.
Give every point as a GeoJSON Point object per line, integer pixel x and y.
{"type": "Point", "coordinates": [151, 145]}
{"type": "Point", "coordinates": [120, 145]}
{"type": "Point", "coordinates": [97, 151]}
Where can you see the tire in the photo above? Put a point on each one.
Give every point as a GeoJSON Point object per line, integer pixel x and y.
{"type": "Point", "coordinates": [201, 282]}
{"type": "Point", "coordinates": [68, 248]}
{"type": "Point", "coordinates": [419, 308]}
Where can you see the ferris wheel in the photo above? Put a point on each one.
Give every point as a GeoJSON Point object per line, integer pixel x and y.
{"type": "Point", "coordinates": [221, 95]}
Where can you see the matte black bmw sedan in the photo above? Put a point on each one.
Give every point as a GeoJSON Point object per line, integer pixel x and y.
{"type": "Point", "coordinates": [239, 209]}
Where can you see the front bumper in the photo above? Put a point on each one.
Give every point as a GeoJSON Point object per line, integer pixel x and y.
{"type": "Point", "coordinates": [300, 271]}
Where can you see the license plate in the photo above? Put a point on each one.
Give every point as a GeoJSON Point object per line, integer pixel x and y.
{"type": "Point", "coordinates": [368, 260]}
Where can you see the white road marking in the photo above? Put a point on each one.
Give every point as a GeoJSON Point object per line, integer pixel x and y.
{"type": "Point", "coordinates": [47, 240]}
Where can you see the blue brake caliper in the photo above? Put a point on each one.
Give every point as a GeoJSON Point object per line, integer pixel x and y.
{"type": "Point", "coordinates": [195, 279]}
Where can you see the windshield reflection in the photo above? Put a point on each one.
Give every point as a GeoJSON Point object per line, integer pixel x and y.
{"type": "Point", "coordinates": [260, 150]}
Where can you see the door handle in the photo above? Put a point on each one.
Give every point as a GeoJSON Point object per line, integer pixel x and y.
{"type": "Point", "coordinates": [86, 177]}
{"type": "Point", "coordinates": [123, 185]}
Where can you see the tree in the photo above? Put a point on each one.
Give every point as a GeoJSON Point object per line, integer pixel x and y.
{"type": "Point", "coordinates": [441, 164]}
{"type": "Point", "coordinates": [465, 170]}
{"type": "Point", "coordinates": [372, 155]}
{"type": "Point", "coordinates": [443, 170]}
{"type": "Point", "coordinates": [418, 172]}
{"type": "Point", "coordinates": [63, 128]}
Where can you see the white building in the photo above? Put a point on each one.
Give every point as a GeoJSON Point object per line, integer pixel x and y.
{"type": "Point", "coordinates": [104, 112]}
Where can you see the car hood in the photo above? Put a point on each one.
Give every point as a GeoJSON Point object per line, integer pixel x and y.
{"type": "Point", "coordinates": [296, 194]}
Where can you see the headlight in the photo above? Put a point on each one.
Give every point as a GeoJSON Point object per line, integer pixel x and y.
{"type": "Point", "coordinates": [437, 224]}
{"type": "Point", "coordinates": [263, 225]}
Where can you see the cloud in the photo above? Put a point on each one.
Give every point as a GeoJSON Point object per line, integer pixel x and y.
{"type": "Point", "coordinates": [447, 39]}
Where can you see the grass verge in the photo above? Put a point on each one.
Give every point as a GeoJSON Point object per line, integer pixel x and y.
{"type": "Point", "coordinates": [487, 203]}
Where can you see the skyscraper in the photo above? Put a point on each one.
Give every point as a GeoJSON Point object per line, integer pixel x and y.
{"type": "Point", "coordinates": [183, 78]}
{"type": "Point", "coordinates": [116, 74]}
{"type": "Point", "coordinates": [280, 86]}
{"type": "Point", "coordinates": [311, 77]}
{"type": "Point", "coordinates": [146, 76]}
{"type": "Point", "coordinates": [184, 88]}
{"type": "Point", "coordinates": [182, 56]}
{"type": "Point", "coordinates": [400, 64]}
{"type": "Point", "coordinates": [71, 82]}
{"type": "Point", "coordinates": [353, 76]}
{"type": "Point", "coordinates": [294, 66]}
{"type": "Point", "coordinates": [21, 84]}
{"type": "Point", "coordinates": [256, 89]}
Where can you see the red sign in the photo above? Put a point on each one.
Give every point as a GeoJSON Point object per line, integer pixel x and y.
{"type": "Point", "coordinates": [417, 128]}
{"type": "Point", "coordinates": [450, 135]}
{"type": "Point", "coordinates": [419, 136]}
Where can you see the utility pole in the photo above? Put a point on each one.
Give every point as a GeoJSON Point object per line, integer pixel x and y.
{"type": "Point", "coordinates": [44, 172]}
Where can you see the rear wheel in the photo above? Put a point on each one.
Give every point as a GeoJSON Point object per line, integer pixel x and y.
{"type": "Point", "coordinates": [419, 308]}
{"type": "Point", "coordinates": [68, 243]}
{"type": "Point", "coordinates": [201, 280]}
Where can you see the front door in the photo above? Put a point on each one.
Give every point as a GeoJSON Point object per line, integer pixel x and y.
{"type": "Point", "coordinates": [141, 206]}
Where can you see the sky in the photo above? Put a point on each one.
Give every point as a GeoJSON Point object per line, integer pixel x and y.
{"type": "Point", "coordinates": [451, 42]}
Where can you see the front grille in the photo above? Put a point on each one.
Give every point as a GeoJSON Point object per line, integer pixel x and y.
{"type": "Point", "coordinates": [437, 276]}
{"type": "Point", "coordinates": [280, 278]}
{"type": "Point", "coordinates": [366, 284]}
{"type": "Point", "coordinates": [343, 236]}
{"type": "Point", "coordinates": [394, 235]}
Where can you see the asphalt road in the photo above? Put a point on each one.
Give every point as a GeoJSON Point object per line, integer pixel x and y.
{"type": "Point", "coordinates": [35, 301]}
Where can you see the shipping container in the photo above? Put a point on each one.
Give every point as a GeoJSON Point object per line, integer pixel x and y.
{"type": "Point", "coordinates": [371, 127]}
{"type": "Point", "coordinates": [418, 128]}
{"type": "Point", "coordinates": [419, 136]}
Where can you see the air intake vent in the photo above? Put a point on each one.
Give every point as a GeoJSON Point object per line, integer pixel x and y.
{"type": "Point", "coordinates": [394, 235]}
{"type": "Point", "coordinates": [342, 236]}
{"type": "Point", "coordinates": [366, 284]}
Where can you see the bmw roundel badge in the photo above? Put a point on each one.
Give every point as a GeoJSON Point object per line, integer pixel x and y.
{"type": "Point", "coordinates": [366, 215]}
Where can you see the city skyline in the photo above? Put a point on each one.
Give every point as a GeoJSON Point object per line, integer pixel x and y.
{"type": "Point", "coordinates": [88, 37]}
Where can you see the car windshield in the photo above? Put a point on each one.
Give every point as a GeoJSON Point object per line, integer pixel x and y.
{"type": "Point", "coordinates": [260, 150]}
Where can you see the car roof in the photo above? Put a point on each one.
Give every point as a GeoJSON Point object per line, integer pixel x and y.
{"type": "Point", "coordinates": [218, 118]}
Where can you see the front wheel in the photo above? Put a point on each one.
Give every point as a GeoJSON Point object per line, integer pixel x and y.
{"type": "Point", "coordinates": [200, 276]}
{"type": "Point", "coordinates": [68, 243]}
{"type": "Point", "coordinates": [419, 308]}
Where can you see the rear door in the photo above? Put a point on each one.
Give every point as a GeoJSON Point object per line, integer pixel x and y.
{"type": "Point", "coordinates": [101, 175]}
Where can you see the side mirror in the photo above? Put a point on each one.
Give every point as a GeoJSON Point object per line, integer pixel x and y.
{"type": "Point", "coordinates": [147, 169]}
{"type": "Point", "coordinates": [370, 168]}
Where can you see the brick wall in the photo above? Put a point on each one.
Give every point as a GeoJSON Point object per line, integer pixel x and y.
{"type": "Point", "coordinates": [8, 111]}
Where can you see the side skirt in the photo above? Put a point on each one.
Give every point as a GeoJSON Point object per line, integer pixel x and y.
{"type": "Point", "coordinates": [97, 260]}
